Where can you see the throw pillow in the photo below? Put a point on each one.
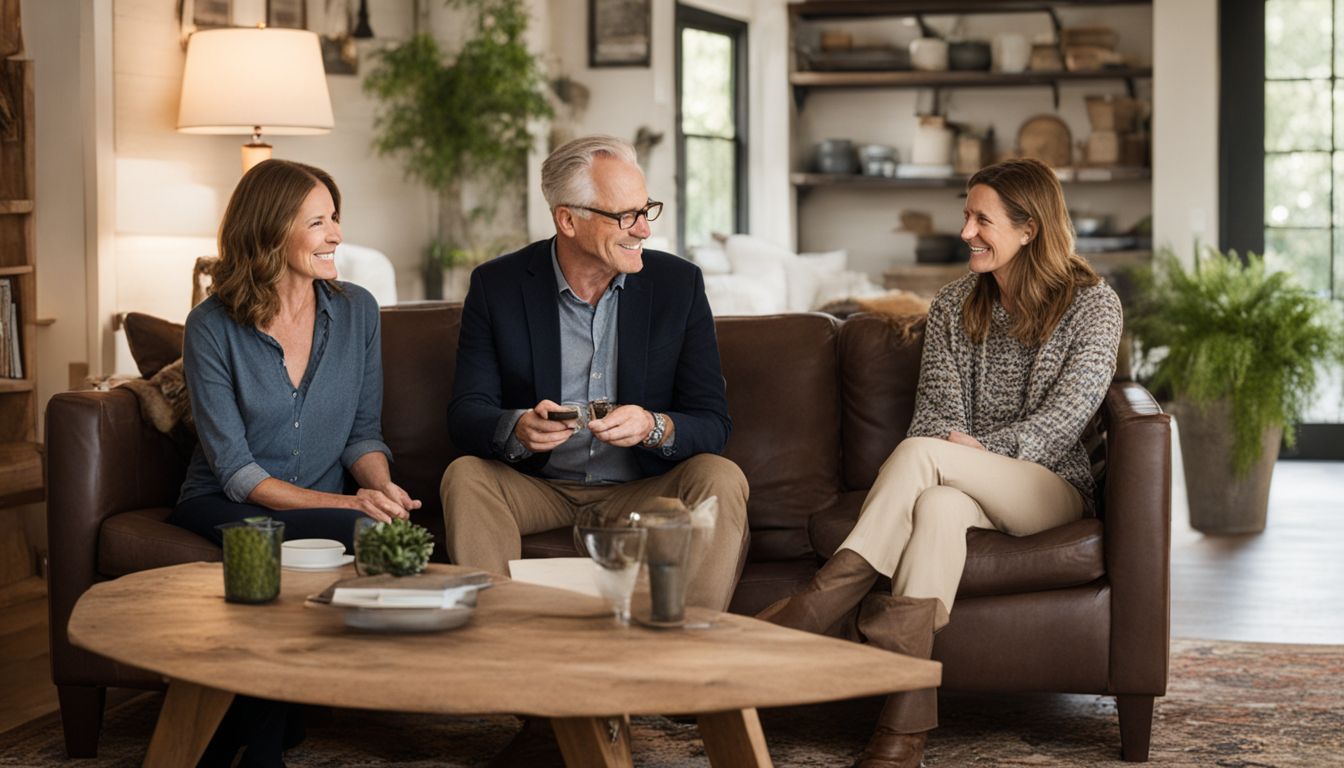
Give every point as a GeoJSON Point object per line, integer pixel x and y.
{"type": "Point", "coordinates": [165, 404]}
{"type": "Point", "coordinates": [761, 262]}
{"type": "Point", "coordinates": [154, 342]}
{"type": "Point", "coordinates": [711, 259]}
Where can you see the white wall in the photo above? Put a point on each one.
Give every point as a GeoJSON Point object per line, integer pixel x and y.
{"type": "Point", "coordinates": [171, 188]}
{"type": "Point", "coordinates": [625, 98]}
{"type": "Point", "coordinates": [53, 41]}
{"type": "Point", "coordinates": [1185, 124]}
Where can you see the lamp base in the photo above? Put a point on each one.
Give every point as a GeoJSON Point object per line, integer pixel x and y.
{"type": "Point", "coordinates": [254, 152]}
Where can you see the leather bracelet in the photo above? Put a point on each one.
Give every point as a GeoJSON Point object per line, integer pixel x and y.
{"type": "Point", "coordinates": [656, 434]}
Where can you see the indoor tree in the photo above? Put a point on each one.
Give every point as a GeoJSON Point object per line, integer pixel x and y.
{"type": "Point", "coordinates": [459, 122]}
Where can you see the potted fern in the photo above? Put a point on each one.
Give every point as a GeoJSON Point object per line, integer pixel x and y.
{"type": "Point", "coordinates": [460, 121]}
{"type": "Point", "coordinates": [1237, 348]}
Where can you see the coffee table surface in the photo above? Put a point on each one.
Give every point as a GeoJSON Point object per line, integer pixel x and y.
{"type": "Point", "coordinates": [528, 650]}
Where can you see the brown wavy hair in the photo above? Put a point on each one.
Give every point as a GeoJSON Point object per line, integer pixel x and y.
{"type": "Point", "coordinates": [257, 224]}
{"type": "Point", "coordinates": [1047, 272]}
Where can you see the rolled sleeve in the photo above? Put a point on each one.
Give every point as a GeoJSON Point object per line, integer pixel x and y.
{"type": "Point", "coordinates": [241, 483]}
{"type": "Point", "coordinates": [355, 451]}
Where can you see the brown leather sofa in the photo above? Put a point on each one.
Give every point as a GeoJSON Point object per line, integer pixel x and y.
{"type": "Point", "coordinates": [817, 405]}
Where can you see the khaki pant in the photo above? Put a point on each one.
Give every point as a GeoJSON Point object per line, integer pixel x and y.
{"type": "Point", "coordinates": [488, 507]}
{"type": "Point", "coordinates": [930, 491]}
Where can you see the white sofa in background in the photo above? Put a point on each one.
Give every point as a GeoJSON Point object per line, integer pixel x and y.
{"type": "Point", "coordinates": [751, 276]}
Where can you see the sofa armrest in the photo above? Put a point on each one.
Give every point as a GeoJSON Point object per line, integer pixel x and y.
{"type": "Point", "coordinates": [1138, 538]}
{"type": "Point", "coordinates": [102, 459]}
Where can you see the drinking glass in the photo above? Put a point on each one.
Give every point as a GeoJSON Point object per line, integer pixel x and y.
{"type": "Point", "coordinates": [252, 559]}
{"type": "Point", "coordinates": [616, 554]}
{"type": "Point", "coordinates": [669, 543]}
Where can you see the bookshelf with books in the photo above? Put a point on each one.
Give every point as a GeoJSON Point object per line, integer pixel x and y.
{"type": "Point", "coordinates": [21, 471]}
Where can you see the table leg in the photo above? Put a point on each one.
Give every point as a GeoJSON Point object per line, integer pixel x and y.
{"type": "Point", "coordinates": [734, 738]}
{"type": "Point", "coordinates": [594, 742]}
{"type": "Point", "coordinates": [189, 717]}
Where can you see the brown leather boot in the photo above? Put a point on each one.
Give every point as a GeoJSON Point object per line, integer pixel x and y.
{"type": "Point", "coordinates": [903, 625]}
{"type": "Point", "coordinates": [834, 593]}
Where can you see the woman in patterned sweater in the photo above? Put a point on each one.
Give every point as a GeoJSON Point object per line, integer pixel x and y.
{"type": "Point", "coordinates": [1017, 357]}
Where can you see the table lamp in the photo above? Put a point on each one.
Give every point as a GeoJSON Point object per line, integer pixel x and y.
{"type": "Point", "coordinates": [254, 80]}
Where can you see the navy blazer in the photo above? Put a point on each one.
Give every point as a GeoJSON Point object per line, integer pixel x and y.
{"type": "Point", "coordinates": [667, 355]}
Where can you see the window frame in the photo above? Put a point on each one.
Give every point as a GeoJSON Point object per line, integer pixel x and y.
{"type": "Point", "coordinates": [1241, 169]}
{"type": "Point", "coordinates": [689, 17]}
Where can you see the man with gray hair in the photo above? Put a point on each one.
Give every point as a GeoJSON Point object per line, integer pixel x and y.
{"type": "Point", "coordinates": [589, 316]}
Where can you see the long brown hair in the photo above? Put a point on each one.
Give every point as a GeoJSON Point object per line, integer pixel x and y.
{"type": "Point", "coordinates": [1046, 271]}
{"type": "Point", "coordinates": [257, 224]}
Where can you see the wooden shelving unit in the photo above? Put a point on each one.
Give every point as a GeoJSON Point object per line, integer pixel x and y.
{"type": "Point", "coordinates": [857, 181]}
{"type": "Point", "coordinates": [926, 279]}
{"type": "Point", "coordinates": [21, 457]}
{"type": "Point", "coordinates": [856, 85]}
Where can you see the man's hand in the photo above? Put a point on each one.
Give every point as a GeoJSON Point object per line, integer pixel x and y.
{"type": "Point", "coordinates": [961, 438]}
{"type": "Point", "coordinates": [624, 427]}
{"type": "Point", "coordinates": [538, 434]}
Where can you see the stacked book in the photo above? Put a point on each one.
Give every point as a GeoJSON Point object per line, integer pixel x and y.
{"type": "Point", "coordinates": [423, 590]}
{"type": "Point", "coordinates": [11, 359]}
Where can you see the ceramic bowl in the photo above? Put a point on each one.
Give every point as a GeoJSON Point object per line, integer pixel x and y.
{"type": "Point", "coordinates": [311, 553]}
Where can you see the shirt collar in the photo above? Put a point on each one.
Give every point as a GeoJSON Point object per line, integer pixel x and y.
{"type": "Point", "coordinates": [562, 285]}
{"type": "Point", "coordinates": [324, 291]}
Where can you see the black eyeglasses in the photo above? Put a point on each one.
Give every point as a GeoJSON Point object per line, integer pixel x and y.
{"type": "Point", "coordinates": [627, 219]}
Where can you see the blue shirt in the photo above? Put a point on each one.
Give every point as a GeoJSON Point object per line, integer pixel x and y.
{"type": "Point", "coordinates": [254, 423]}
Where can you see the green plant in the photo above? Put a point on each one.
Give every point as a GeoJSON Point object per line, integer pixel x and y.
{"type": "Point", "coordinates": [1232, 329]}
{"type": "Point", "coordinates": [400, 548]}
{"type": "Point", "coordinates": [459, 119]}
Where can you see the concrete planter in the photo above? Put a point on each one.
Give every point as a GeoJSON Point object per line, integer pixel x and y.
{"type": "Point", "coordinates": [1222, 502]}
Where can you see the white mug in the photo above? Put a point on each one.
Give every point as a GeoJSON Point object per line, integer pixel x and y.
{"type": "Point", "coordinates": [1012, 52]}
{"type": "Point", "coordinates": [928, 54]}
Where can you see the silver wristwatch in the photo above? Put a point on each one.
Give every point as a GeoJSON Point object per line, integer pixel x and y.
{"type": "Point", "coordinates": [656, 434]}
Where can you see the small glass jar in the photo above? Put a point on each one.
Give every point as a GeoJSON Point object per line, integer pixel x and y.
{"type": "Point", "coordinates": [252, 559]}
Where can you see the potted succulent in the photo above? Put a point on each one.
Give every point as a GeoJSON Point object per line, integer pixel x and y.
{"type": "Point", "coordinates": [460, 123]}
{"type": "Point", "coordinates": [399, 548]}
{"type": "Point", "coordinates": [1237, 348]}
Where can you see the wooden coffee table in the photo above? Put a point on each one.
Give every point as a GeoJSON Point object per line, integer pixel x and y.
{"type": "Point", "coordinates": [528, 650]}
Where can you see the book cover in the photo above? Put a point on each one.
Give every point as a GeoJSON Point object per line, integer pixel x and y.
{"type": "Point", "coordinates": [428, 590]}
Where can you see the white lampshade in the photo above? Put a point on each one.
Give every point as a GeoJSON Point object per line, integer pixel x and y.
{"type": "Point", "coordinates": [253, 81]}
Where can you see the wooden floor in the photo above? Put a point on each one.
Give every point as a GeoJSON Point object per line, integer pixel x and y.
{"type": "Point", "coordinates": [1285, 585]}
{"type": "Point", "coordinates": [1281, 586]}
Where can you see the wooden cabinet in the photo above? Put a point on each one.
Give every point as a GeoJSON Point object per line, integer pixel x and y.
{"type": "Point", "coordinates": [21, 477]}
{"type": "Point", "coordinates": [880, 105]}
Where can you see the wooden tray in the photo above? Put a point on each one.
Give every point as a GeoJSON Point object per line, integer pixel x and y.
{"type": "Point", "coordinates": [1048, 139]}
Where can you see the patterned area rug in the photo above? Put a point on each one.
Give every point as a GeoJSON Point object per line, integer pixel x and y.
{"type": "Point", "coordinates": [1228, 704]}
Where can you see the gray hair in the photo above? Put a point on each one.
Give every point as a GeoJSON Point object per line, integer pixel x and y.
{"type": "Point", "coordinates": [567, 175]}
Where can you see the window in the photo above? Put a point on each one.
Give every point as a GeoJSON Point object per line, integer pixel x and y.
{"type": "Point", "coordinates": [1304, 142]}
{"type": "Point", "coordinates": [711, 126]}
{"type": "Point", "coordinates": [1281, 160]}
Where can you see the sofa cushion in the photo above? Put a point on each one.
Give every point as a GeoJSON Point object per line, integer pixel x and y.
{"type": "Point", "coordinates": [784, 400]}
{"type": "Point", "coordinates": [419, 359]}
{"type": "Point", "coordinates": [996, 563]}
{"type": "Point", "coordinates": [142, 539]}
{"type": "Point", "coordinates": [879, 367]}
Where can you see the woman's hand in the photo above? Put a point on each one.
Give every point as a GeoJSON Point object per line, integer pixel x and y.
{"type": "Point", "coordinates": [394, 492]}
{"type": "Point", "coordinates": [961, 438]}
{"type": "Point", "coordinates": [377, 505]}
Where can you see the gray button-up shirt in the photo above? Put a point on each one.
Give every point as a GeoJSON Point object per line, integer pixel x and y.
{"type": "Point", "coordinates": [587, 372]}
{"type": "Point", "coordinates": [254, 423]}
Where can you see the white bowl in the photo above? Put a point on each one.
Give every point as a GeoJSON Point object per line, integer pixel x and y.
{"type": "Point", "coordinates": [311, 553]}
